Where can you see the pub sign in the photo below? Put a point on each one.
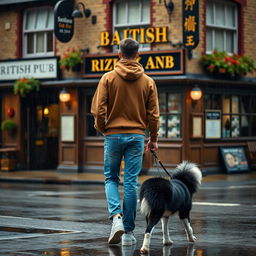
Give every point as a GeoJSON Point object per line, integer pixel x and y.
{"type": "Point", "coordinates": [190, 23]}
{"type": "Point", "coordinates": [63, 20]}
{"type": "Point", "coordinates": [154, 63]}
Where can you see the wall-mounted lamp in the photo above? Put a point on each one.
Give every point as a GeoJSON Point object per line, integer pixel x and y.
{"type": "Point", "coordinates": [196, 93]}
{"type": "Point", "coordinates": [169, 7]}
{"type": "Point", "coordinates": [78, 14]}
{"type": "Point", "coordinates": [64, 97]}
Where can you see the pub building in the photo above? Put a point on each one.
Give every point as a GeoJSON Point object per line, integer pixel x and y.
{"type": "Point", "coordinates": [201, 114]}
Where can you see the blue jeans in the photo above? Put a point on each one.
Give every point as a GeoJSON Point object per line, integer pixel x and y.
{"type": "Point", "coordinates": [131, 147]}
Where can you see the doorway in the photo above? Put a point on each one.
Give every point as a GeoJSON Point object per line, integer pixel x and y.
{"type": "Point", "coordinates": [42, 129]}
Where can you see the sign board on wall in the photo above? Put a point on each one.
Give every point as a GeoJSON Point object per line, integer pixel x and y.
{"type": "Point", "coordinates": [212, 124]}
{"type": "Point", "coordinates": [63, 20]}
{"type": "Point", "coordinates": [190, 24]}
{"type": "Point", "coordinates": [234, 159]}
{"type": "Point", "coordinates": [154, 63]}
{"type": "Point", "coordinates": [46, 68]}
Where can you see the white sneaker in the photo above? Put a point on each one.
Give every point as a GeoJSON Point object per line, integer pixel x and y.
{"type": "Point", "coordinates": [128, 238]}
{"type": "Point", "coordinates": [116, 231]}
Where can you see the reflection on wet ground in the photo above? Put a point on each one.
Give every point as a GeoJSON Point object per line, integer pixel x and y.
{"type": "Point", "coordinates": [72, 221]}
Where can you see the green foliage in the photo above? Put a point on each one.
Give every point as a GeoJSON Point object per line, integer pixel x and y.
{"type": "Point", "coordinates": [8, 125]}
{"type": "Point", "coordinates": [24, 85]}
{"type": "Point", "coordinates": [231, 65]}
{"type": "Point", "coordinates": [71, 58]}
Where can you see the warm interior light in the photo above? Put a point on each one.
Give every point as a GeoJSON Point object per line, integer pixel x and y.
{"type": "Point", "coordinates": [196, 93]}
{"type": "Point", "coordinates": [46, 111]}
{"type": "Point", "coordinates": [64, 96]}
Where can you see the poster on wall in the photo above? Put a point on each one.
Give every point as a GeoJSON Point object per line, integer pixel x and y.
{"type": "Point", "coordinates": [234, 158]}
{"type": "Point", "coordinates": [212, 124]}
{"type": "Point", "coordinates": [67, 128]}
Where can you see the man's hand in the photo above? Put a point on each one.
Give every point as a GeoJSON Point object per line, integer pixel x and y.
{"type": "Point", "coordinates": [152, 146]}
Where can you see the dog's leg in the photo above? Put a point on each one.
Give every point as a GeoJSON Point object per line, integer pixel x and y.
{"type": "Point", "coordinates": [189, 230]}
{"type": "Point", "coordinates": [166, 237]}
{"type": "Point", "coordinates": [152, 221]}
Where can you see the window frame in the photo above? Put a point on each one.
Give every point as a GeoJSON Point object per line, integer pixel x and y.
{"type": "Point", "coordinates": [25, 33]}
{"type": "Point", "coordinates": [213, 27]}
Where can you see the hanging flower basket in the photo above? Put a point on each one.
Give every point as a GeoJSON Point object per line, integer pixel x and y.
{"type": "Point", "coordinates": [71, 59]}
{"type": "Point", "coordinates": [223, 65]}
{"type": "Point", "coordinates": [23, 86]}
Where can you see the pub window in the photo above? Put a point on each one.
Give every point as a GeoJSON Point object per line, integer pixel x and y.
{"type": "Point", "coordinates": [170, 115]}
{"type": "Point", "coordinates": [131, 14]}
{"type": "Point", "coordinates": [238, 113]}
{"type": "Point", "coordinates": [221, 26]}
{"type": "Point", "coordinates": [38, 32]}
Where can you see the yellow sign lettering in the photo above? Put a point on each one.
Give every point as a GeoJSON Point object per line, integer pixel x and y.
{"type": "Point", "coordinates": [150, 35]}
{"type": "Point", "coordinates": [150, 63]}
{"type": "Point", "coordinates": [190, 24]}
{"type": "Point", "coordinates": [116, 38]}
{"type": "Point", "coordinates": [169, 62]}
{"type": "Point", "coordinates": [95, 66]}
{"type": "Point", "coordinates": [189, 4]}
{"type": "Point", "coordinates": [161, 35]}
{"type": "Point", "coordinates": [104, 38]}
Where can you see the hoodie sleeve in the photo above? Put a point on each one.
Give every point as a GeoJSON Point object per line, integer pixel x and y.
{"type": "Point", "coordinates": [99, 105]}
{"type": "Point", "coordinates": [153, 113]}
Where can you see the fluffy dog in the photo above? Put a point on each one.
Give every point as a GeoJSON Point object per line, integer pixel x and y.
{"type": "Point", "coordinates": [161, 198]}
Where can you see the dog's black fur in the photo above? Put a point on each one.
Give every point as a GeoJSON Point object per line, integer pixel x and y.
{"type": "Point", "coordinates": [160, 197]}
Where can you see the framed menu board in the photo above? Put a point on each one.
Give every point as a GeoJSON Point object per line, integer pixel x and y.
{"type": "Point", "coordinates": [212, 124]}
{"type": "Point", "coordinates": [67, 128]}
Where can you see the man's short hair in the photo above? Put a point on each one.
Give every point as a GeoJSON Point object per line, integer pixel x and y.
{"type": "Point", "coordinates": [129, 48]}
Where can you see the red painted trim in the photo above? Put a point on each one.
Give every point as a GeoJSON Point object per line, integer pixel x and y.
{"type": "Point", "coordinates": [240, 30]}
{"type": "Point", "coordinates": [152, 19]}
{"type": "Point", "coordinates": [18, 52]}
{"type": "Point", "coordinates": [203, 37]}
{"type": "Point", "coordinates": [108, 19]}
{"type": "Point", "coordinates": [241, 2]}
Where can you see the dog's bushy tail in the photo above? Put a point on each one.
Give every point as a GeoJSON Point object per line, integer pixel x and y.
{"type": "Point", "coordinates": [189, 174]}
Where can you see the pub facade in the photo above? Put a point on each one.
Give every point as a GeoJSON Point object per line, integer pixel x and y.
{"type": "Point", "coordinates": [201, 112]}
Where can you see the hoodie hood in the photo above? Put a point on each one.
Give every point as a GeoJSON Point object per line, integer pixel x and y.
{"type": "Point", "coordinates": [129, 69]}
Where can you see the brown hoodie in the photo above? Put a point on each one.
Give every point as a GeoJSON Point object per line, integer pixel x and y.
{"type": "Point", "coordinates": [126, 101]}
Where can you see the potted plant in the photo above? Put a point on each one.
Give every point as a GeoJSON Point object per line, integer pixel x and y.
{"type": "Point", "coordinates": [9, 126]}
{"type": "Point", "coordinates": [71, 59]}
{"type": "Point", "coordinates": [221, 64]}
{"type": "Point", "coordinates": [24, 85]}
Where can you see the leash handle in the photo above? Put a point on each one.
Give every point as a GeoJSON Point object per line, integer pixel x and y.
{"type": "Point", "coordinates": [156, 157]}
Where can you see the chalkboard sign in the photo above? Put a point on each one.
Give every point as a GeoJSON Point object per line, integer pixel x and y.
{"type": "Point", "coordinates": [234, 159]}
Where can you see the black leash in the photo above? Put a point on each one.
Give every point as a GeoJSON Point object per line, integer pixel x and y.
{"type": "Point", "coordinates": [157, 159]}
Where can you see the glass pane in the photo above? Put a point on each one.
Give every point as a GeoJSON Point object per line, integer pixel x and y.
{"type": "Point", "coordinates": [30, 43]}
{"type": "Point", "coordinates": [174, 103]}
{"type": "Point", "coordinates": [50, 19]}
{"type": "Point", "coordinates": [173, 126]}
{"type": "Point", "coordinates": [235, 127]}
{"type": "Point", "coordinates": [162, 128]}
{"type": "Point", "coordinates": [30, 20]}
{"type": "Point", "coordinates": [162, 102]}
{"type": "Point", "coordinates": [41, 19]}
{"type": "Point", "coordinates": [216, 101]}
{"type": "Point", "coordinates": [226, 104]}
{"type": "Point", "coordinates": [253, 126]}
{"type": "Point", "coordinates": [219, 40]}
{"type": "Point", "coordinates": [229, 41]}
{"type": "Point", "coordinates": [235, 104]}
{"type": "Point", "coordinates": [209, 46]}
{"type": "Point", "coordinates": [230, 18]}
{"type": "Point", "coordinates": [145, 11]}
{"type": "Point", "coordinates": [226, 126]}
{"type": "Point", "coordinates": [246, 104]}
{"type": "Point", "coordinates": [219, 14]}
{"type": "Point", "coordinates": [40, 42]}
{"type": "Point", "coordinates": [121, 13]}
{"type": "Point", "coordinates": [134, 12]}
{"type": "Point", "coordinates": [207, 101]}
{"type": "Point", "coordinates": [245, 126]}
{"type": "Point", "coordinates": [209, 13]}
{"type": "Point", "coordinates": [50, 41]}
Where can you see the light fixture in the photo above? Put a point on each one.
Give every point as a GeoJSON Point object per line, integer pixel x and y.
{"type": "Point", "coordinates": [78, 14]}
{"type": "Point", "coordinates": [46, 111]}
{"type": "Point", "coordinates": [196, 93]}
{"type": "Point", "coordinates": [169, 7]}
{"type": "Point", "coordinates": [64, 97]}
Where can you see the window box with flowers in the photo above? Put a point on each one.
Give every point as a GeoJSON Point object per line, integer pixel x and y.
{"type": "Point", "coordinates": [220, 64]}
{"type": "Point", "coordinates": [24, 85]}
{"type": "Point", "coordinates": [71, 59]}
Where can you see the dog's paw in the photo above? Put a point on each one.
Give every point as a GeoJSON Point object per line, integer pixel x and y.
{"type": "Point", "coordinates": [143, 251]}
{"type": "Point", "coordinates": [192, 239]}
{"type": "Point", "coordinates": [167, 242]}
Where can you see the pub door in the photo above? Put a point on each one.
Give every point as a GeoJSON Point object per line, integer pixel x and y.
{"type": "Point", "coordinates": [42, 115]}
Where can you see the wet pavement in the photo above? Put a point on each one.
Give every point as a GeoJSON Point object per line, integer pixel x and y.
{"type": "Point", "coordinates": [71, 220]}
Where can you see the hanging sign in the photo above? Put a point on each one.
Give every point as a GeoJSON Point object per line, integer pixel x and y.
{"type": "Point", "coordinates": [63, 20]}
{"type": "Point", "coordinates": [190, 23]}
{"type": "Point", "coordinates": [154, 63]}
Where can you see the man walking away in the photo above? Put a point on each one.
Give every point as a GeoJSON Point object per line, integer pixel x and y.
{"type": "Point", "coordinates": [124, 105]}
